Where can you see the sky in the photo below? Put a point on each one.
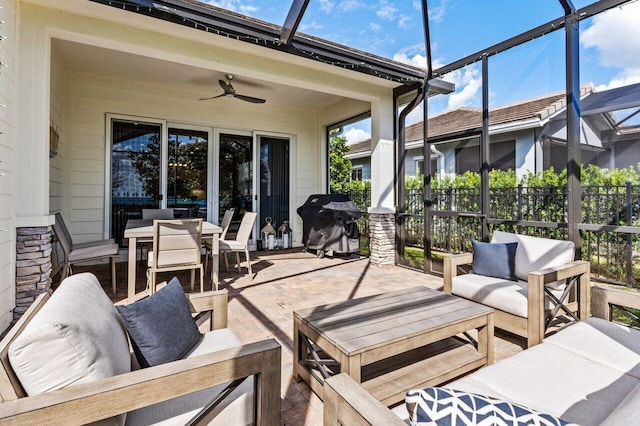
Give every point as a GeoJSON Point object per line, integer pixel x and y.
{"type": "Point", "coordinates": [609, 43]}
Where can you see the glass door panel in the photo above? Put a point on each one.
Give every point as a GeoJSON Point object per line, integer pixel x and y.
{"type": "Point", "coordinates": [187, 172]}
{"type": "Point", "coordinates": [274, 180]}
{"type": "Point", "coordinates": [235, 176]}
{"type": "Point", "coordinates": [135, 172]}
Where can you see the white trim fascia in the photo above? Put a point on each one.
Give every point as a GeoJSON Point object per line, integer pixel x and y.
{"type": "Point", "coordinates": [514, 126]}
{"type": "Point", "coordinates": [363, 154]}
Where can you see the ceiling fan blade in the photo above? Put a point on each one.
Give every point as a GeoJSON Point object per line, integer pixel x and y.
{"type": "Point", "coordinates": [228, 88]}
{"type": "Point", "coordinates": [212, 97]}
{"type": "Point", "coordinates": [250, 99]}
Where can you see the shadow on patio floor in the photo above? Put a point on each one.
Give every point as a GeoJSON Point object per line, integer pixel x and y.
{"type": "Point", "coordinates": [288, 280]}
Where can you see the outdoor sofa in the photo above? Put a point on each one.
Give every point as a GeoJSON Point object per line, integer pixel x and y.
{"type": "Point", "coordinates": [543, 271]}
{"type": "Point", "coordinates": [68, 361]}
{"type": "Point", "coordinates": [587, 373]}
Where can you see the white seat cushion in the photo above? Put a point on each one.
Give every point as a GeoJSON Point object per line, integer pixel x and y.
{"type": "Point", "coordinates": [550, 379]}
{"type": "Point", "coordinates": [626, 411]}
{"type": "Point", "coordinates": [77, 337]}
{"type": "Point", "coordinates": [498, 293]}
{"type": "Point", "coordinates": [533, 253]}
{"type": "Point", "coordinates": [613, 345]}
{"type": "Point", "coordinates": [231, 245]}
{"type": "Point", "coordinates": [236, 409]}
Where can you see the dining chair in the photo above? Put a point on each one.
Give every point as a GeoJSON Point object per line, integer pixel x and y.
{"type": "Point", "coordinates": [225, 224]}
{"type": "Point", "coordinates": [83, 252]}
{"type": "Point", "coordinates": [241, 242]}
{"type": "Point", "coordinates": [153, 214]}
{"type": "Point", "coordinates": [176, 247]}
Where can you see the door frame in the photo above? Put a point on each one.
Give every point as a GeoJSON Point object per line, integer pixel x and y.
{"type": "Point", "coordinates": [293, 176]}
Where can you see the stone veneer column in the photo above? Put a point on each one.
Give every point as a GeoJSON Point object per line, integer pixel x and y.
{"type": "Point", "coordinates": [382, 240]}
{"type": "Point", "coordinates": [33, 266]}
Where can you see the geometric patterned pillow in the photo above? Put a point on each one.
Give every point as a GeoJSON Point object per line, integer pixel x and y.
{"type": "Point", "coordinates": [445, 407]}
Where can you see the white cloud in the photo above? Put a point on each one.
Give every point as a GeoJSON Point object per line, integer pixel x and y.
{"type": "Point", "coordinates": [436, 14]}
{"type": "Point", "coordinates": [417, 5]}
{"type": "Point", "coordinates": [327, 5]}
{"type": "Point", "coordinates": [375, 27]}
{"type": "Point", "coordinates": [387, 12]}
{"type": "Point", "coordinates": [313, 25]}
{"type": "Point", "coordinates": [233, 5]}
{"type": "Point", "coordinates": [417, 60]}
{"type": "Point", "coordinates": [355, 135]}
{"type": "Point", "coordinates": [468, 82]}
{"type": "Point", "coordinates": [404, 21]}
{"type": "Point", "coordinates": [349, 5]}
{"type": "Point", "coordinates": [615, 35]}
{"type": "Point", "coordinates": [248, 9]}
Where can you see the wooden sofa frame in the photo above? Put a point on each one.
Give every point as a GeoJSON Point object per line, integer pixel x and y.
{"type": "Point", "coordinates": [90, 402]}
{"type": "Point", "coordinates": [533, 327]}
{"type": "Point", "coordinates": [348, 403]}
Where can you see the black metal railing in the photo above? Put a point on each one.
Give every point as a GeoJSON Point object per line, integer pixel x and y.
{"type": "Point", "coordinates": [610, 227]}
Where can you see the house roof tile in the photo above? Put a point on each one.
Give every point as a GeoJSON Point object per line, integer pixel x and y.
{"type": "Point", "coordinates": [468, 118]}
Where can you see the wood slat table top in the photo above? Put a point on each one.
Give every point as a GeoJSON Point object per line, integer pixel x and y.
{"type": "Point", "coordinates": [358, 325]}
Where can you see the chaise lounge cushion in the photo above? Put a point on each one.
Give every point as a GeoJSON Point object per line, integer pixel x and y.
{"type": "Point", "coordinates": [550, 379]}
{"type": "Point", "coordinates": [501, 294]}
{"type": "Point", "coordinates": [160, 326]}
{"type": "Point", "coordinates": [236, 409]}
{"type": "Point", "coordinates": [604, 342]}
{"type": "Point", "coordinates": [77, 337]}
{"type": "Point", "coordinates": [436, 406]}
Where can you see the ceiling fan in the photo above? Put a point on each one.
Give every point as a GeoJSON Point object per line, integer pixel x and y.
{"type": "Point", "coordinates": [231, 92]}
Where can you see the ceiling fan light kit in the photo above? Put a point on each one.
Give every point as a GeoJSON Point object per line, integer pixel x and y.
{"type": "Point", "coordinates": [229, 91]}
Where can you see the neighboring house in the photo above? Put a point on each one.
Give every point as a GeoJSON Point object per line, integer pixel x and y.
{"type": "Point", "coordinates": [102, 117]}
{"type": "Point", "coordinates": [528, 136]}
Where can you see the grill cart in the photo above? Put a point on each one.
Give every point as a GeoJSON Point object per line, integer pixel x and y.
{"type": "Point", "coordinates": [329, 224]}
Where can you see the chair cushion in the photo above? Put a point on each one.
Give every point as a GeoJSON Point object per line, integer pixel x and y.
{"type": "Point", "coordinates": [498, 293]}
{"type": "Point", "coordinates": [439, 406]}
{"type": "Point", "coordinates": [86, 251]}
{"type": "Point", "coordinates": [494, 259]}
{"type": "Point", "coordinates": [550, 379]}
{"type": "Point", "coordinates": [230, 245]}
{"type": "Point", "coordinates": [614, 345]}
{"type": "Point", "coordinates": [161, 327]}
{"type": "Point", "coordinates": [535, 253]}
{"type": "Point", "coordinates": [77, 337]}
{"type": "Point", "coordinates": [236, 409]}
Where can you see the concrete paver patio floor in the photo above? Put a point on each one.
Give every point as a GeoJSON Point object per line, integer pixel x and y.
{"type": "Point", "coordinates": [289, 280]}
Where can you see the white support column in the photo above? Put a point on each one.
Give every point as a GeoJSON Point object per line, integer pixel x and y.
{"type": "Point", "coordinates": [32, 177]}
{"type": "Point", "coordinates": [382, 154]}
{"type": "Point", "coordinates": [382, 210]}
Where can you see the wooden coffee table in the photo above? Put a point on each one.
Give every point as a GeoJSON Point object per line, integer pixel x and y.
{"type": "Point", "coordinates": [392, 342]}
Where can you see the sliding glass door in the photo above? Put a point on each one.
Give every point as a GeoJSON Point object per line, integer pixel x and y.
{"type": "Point", "coordinates": [235, 176]}
{"type": "Point", "coordinates": [187, 166]}
{"type": "Point", "coordinates": [156, 165]}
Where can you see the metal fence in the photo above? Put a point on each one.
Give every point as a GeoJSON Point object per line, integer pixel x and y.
{"type": "Point", "coordinates": [610, 228]}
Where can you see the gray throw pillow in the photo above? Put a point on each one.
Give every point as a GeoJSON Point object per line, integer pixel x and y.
{"type": "Point", "coordinates": [160, 326]}
{"type": "Point", "coordinates": [494, 259]}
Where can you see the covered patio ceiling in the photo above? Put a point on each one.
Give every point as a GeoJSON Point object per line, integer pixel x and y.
{"type": "Point", "coordinates": [195, 82]}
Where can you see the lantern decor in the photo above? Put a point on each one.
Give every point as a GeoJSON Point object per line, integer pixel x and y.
{"type": "Point", "coordinates": [268, 235]}
{"type": "Point", "coordinates": [284, 235]}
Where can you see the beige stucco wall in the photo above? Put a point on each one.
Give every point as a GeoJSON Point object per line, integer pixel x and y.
{"type": "Point", "coordinates": [8, 164]}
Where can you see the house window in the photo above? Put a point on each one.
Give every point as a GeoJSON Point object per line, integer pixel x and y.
{"type": "Point", "coordinates": [420, 167]}
{"type": "Point", "coordinates": [356, 173]}
{"type": "Point", "coordinates": [502, 156]}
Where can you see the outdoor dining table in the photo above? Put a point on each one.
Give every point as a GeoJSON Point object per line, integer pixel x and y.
{"type": "Point", "coordinates": [141, 230]}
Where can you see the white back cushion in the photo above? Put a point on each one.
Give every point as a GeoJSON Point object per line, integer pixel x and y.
{"type": "Point", "coordinates": [77, 337]}
{"type": "Point", "coordinates": [535, 253]}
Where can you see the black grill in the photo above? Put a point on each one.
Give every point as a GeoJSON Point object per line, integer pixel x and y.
{"type": "Point", "coordinates": [329, 224]}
